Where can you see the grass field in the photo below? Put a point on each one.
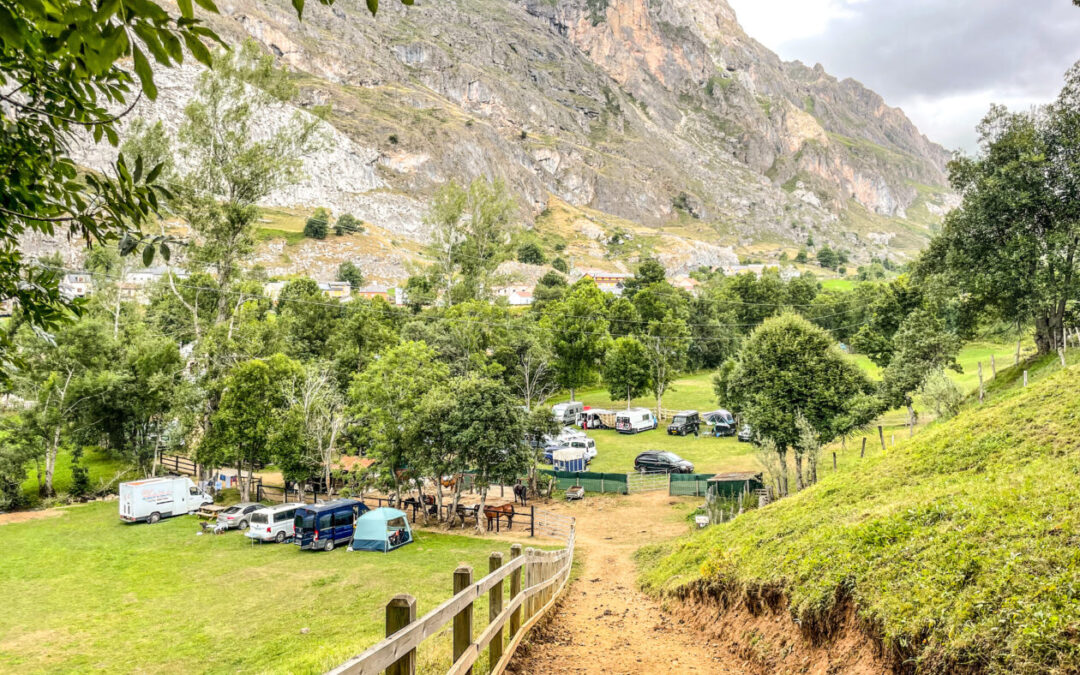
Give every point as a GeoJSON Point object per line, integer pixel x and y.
{"type": "Point", "coordinates": [102, 469]}
{"type": "Point", "coordinates": [955, 548]}
{"type": "Point", "coordinates": [86, 593]}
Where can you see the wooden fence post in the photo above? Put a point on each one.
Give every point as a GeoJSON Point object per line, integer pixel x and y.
{"type": "Point", "coordinates": [881, 435]}
{"type": "Point", "coordinates": [862, 453]}
{"type": "Point", "coordinates": [981, 392]}
{"type": "Point", "coordinates": [515, 590]}
{"type": "Point", "coordinates": [463, 619]}
{"type": "Point", "coordinates": [495, 607]}
{"type": "Point", "coordinates": [993, 367]}
{"type": "Point", "coordinates": [400, 612]}
{"type": "Point", "coordinates": [1025, 378]}
{"type": "Point", "coordinates": [1017, 362]}
{"type": "Point", "coordinates": [532, 521]}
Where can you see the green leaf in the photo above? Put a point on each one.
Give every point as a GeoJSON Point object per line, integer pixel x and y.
{"type": "Point", "coordinates": [208, 5]}
{"type": "Point", "coordinates": [373, 6]}
{"type": "Point", "coordinates": [198, 49]}
{"type": "Point", "coordinates": [186, 10]}
{"type": "Point", "coordinates": [299, 6]}
{"type": "Point", "coordinates": [165, 252]}
{"type": "Point", "coordinates": [147, 256]}
{"type": "Point", "coordinates": [155, 172]}
{"type": "Point", "coordinates": [146, 75]}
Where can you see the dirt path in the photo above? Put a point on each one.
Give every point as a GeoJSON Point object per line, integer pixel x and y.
{"type": "Point", "coordinates": [605, 625]}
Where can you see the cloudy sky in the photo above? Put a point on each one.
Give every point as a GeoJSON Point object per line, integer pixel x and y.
{"type": "Point", "coordinates": [942, 61]}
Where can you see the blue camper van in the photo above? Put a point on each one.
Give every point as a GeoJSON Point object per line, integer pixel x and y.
{"type": "Point", "coordinates": [324, 526]}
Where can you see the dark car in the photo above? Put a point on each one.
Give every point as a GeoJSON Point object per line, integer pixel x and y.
{"type": "Point", "coordinates": [662, 461]}
{"type": "Point", "coordinates": [746, 434]}
{"type": "Point", "coordinates": [685, 422]}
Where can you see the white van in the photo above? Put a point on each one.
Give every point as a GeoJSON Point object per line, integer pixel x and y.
{"type": "Point", "coordinates": [152, 499]}
{"type": "Point", "coordinates": [567, 413]}
{"type": "Point", "coordinates": [584, 443]}
{"type": "Point", "coordinates": [274, 523]}
{"type": "Point", "coordinates": [634, 420]}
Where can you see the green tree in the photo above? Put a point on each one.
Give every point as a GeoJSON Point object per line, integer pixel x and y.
{"type": "Point", "coordinates": [922, 347]}
{"type": "Point", "coordinates": [561, 265]}
{"type": "Point", "coordinates": [626, 369]}
{"type": "Point", "coordinates": [308, 318]}
{"type": "Point", "coordinates": [666, 342]}
{"type": "Point", "coordinates": [1010, 250]}
{"type": "Point", "coordinates": [650, 271]}
{"type": "Point", "coordinates": [550, 288]}
{"type": "Point", "coordinates": [317, 226]}
{"type": "Point", "coordinates": [826, 257]}
{"type": "Point", "coordinates": [386, 400]}
{"type": "Point", "coordinates": [579, 330]}
{"type": "Point", "coordinates": [252, 407]}
{"type": "Point", "coordinates": [350, 272]}
{"type": "Point", "coordinates": [348, 224]}
{"type": "Point", "coordinates": [801, 257]}
{"type": "Point", "coordinates": [787, 367]}
{"type": "Point", "coordinates": [531, 254]}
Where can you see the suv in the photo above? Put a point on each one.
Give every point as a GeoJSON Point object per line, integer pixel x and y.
{"type": "Point", "coordinates": [685, 422]}
{"type": "Point", "coordinates": [662, 461]}
{"type": "Point", "coordinates": [273, 523]}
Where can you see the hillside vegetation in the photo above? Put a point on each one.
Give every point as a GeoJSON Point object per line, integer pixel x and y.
{"type": "Point", "coordinates": [958, 550]}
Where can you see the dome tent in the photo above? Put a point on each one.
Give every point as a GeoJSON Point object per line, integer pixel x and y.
{"type": "Point", "coordinates": [382, 529]}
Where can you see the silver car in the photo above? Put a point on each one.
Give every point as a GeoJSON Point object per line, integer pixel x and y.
{"type": "Point", "coordinates": [237, 516]}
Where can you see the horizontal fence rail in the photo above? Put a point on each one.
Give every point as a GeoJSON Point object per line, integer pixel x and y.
{"type": "Point", "coordinates": [536, 580]}
{"type": "Point", "coordinates": [647, 482]}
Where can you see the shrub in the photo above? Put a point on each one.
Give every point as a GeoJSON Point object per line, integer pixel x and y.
{"type": "Point", "coordinates": [530, 254]}
{"type": "Point", "coordinates": [317, 225]}
{"type": "Point", "coordinates": [560, 264]}
{"type": "Point", "coordinates": [348, 223]}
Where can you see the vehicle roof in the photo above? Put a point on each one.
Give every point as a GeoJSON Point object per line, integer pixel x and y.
{"type": "Point", "coordinates": [687, 412]}
{"type": "Point", "coordinates": [633, 410]}
{"type": "Point", "coordinates": [281, 507]}
{"type": "Point", "coordinates": [337, 503]}
{"type": "Point", "coordinates": [152, 481]}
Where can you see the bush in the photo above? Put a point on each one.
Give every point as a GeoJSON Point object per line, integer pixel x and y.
{"type": "Point", "coordinates": [317, 225]}
{"type": "Point", "coordinates": [801, 256]}
{"type": "Point", "coordinates": [80, 476]}
{"type": "Point", "coordinates": [348, 271]}
{"type": "Point", "coordinates": [530, 254]}
{"type": "Point", "coordinates": [348, 223]}
{"type": "Point", "coordinates": [560, 264]}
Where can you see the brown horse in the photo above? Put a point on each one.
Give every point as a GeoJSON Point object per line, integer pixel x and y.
{"type": "Point", "coordinates": [496, 512]}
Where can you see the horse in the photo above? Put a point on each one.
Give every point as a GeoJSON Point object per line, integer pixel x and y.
{"type": "Point", "coordinates": [464, 512]}
{"type": "Point", "coordinates": [450, 482]}
{"type": "Point", "coordinates": [520, 493]}
{"type": "Point", "coordinates": [496, 512]}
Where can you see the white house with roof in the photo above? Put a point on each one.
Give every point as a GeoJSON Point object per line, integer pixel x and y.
{"type": "Point", "coordinates": [338, 290]}
{"type": "Point", "coordinates": [516, 296]}
{"type": "Point", "coordinates": [76, 285]}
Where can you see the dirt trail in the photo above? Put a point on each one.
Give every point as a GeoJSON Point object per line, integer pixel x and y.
{"type": "Point", "coordinates": [606, 625]}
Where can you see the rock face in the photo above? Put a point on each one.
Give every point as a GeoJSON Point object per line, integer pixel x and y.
{"type": "Point", "coordinates": [653, 112]}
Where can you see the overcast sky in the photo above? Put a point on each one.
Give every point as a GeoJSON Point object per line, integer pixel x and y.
{"type": "Point", "coordinates": [942, 61]}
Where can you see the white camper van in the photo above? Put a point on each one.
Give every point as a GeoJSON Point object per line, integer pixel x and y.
{"type": "Point", "coordinates": [152, 499]}
{"type": "Point", "coordinates": [634, 420]}
{"type": "Point", "coordinates": [567, 413]}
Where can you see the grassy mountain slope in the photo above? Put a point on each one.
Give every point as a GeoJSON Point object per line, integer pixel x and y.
{"type": "Point", "coordinates": [958, 550]}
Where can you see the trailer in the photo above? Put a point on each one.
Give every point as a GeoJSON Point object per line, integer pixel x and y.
{"type": "Point", "coordinates": [152, 499]}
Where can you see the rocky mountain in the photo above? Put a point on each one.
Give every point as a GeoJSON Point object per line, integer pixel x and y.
{"type": "Point", "coordinates": [660, 119]}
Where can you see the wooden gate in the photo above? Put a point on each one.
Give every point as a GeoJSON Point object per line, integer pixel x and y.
{"type": "Point", "coordinates": [646, 482]}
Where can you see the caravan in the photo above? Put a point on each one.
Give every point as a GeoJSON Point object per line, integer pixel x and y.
{"type": "Point", "coordinates": [634, 420]}
{"type": "Point", "coordinates": [567, 413]}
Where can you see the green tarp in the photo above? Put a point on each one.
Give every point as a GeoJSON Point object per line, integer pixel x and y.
{"type": "Point", "coordinates": [590, 480]}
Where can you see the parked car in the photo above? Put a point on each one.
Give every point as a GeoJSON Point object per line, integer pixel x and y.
{"type": "Point", "coordinates": [237, 516]}
{"type": "Point", "coordinates": [746, 434]}
{"type": "Point", "coordinates": [685, 422]}
{"type": "Point", "coordinates": [662, 461]}
{"type": "Point", "coordinates": [550, 449]}
{"type": "Point", "coordinates": [273, 523]}
{"type": "Point", "coordinates": [634, 420]}
{"type": "Point", "coordinates": [567, 413]}
{"type": "Point", "coordinates": [152, 499]}
{"type": "Point", "coordinates": [324, 526]}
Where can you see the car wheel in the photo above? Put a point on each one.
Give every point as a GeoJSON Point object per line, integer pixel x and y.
{"type": "Point", "coordinates": [154, 517]}
{"type": "Point", "coordinates": [242, 525]}
{"type": "Point", "coordinates": [329, 545]}
{"type": "Point", "coordinates": [280, 537]}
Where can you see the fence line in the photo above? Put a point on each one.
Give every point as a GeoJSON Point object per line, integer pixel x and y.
{"type": "Point", "coordinates": [646, 482]}
{"type": "Point", "coordinates": [179, 464]}
{"type": "Point", "coordinates": [545, 576]}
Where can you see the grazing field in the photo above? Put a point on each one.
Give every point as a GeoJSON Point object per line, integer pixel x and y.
{"type": "Point", "coordinates": [956, 549]}
{"type": "Point", "coordinates": [101, 467]}
{"type": "Point", "coordinates": [85, 592]}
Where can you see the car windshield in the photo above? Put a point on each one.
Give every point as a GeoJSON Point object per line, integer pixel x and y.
{"type": "Point", "coordinates": [679, 420]}
{"type": "Point", "coordinates": [304, 521]}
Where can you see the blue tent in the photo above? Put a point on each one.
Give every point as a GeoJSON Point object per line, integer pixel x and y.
{"type": "Point", "coordinates": [382, 529]}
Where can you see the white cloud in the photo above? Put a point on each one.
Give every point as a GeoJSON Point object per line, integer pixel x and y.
{"type": "Point", "coordinates": [942, 61]}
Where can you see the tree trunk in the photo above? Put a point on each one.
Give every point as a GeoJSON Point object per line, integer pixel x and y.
{"type": "Point", "coordinates": [783, 472]}
{"type": "Point", "coordinates": [628, 397]}
{"type": "Point", "coordinates": [480, 513]}
{"type": "Point", "coordinates": [50, 462]}
{"type": "Point", "coordinates": [799, 484]}
{"type": "Point", "coordinates": [438, 498]}
{"type": "Point", "coordinates": [912, 419]}
{"type": "Point", "coordinates": [450, 517]}
{"type": "Point", "coordinates": [571, 394]}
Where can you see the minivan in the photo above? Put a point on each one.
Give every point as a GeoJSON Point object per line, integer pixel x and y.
{"type": "Point", "coordinates": [585, 443]}
{"type": "Point", "coordinates": [324, 526]}
{"type": "Point", "coordinates": [634, 420]}
{"type": "Point", "coordinates": [274, 523]}
{"type": "Point", "coordinates": [567, 413]}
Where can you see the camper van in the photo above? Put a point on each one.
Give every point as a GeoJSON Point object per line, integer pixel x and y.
{"type": "Point", "coordinates": [152, 499]}
{"type": "Point", "coordinates": [634, 420]}
{"type": "Point", "coordinates": [324, 526]}
{"type": "Point", "coordinates": [567, 413]}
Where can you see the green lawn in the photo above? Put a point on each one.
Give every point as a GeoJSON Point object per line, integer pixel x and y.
{"type": "Point", "coordinates": [102, 468]}
{"type": "Point", "coordinates": [85, 592]}
{"type": "Point", "coordinates": [615, 452]}
{"type": "Point", "coordinates": [837, 284]}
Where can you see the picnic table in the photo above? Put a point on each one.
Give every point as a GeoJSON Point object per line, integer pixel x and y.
{"type": "Point", "coordinates": [210, 511]}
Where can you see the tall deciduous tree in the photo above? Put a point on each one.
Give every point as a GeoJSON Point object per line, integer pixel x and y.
{"type": "Point", "coordinates": [922, 347]}
{"type": "Point", "coordinates": [1011, 247]}
{"type": "Point", "coordinates": [788, 367]}
{"type": "Point", "coordinates": [626, 369]}
{"type": "Point", "coordinates": [579, 333]}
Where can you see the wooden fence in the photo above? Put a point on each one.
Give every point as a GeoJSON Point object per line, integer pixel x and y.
{"type": "Point", "coordinates": [180, 465]}
{"type": "Point", "coordinates": [545, 575]}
